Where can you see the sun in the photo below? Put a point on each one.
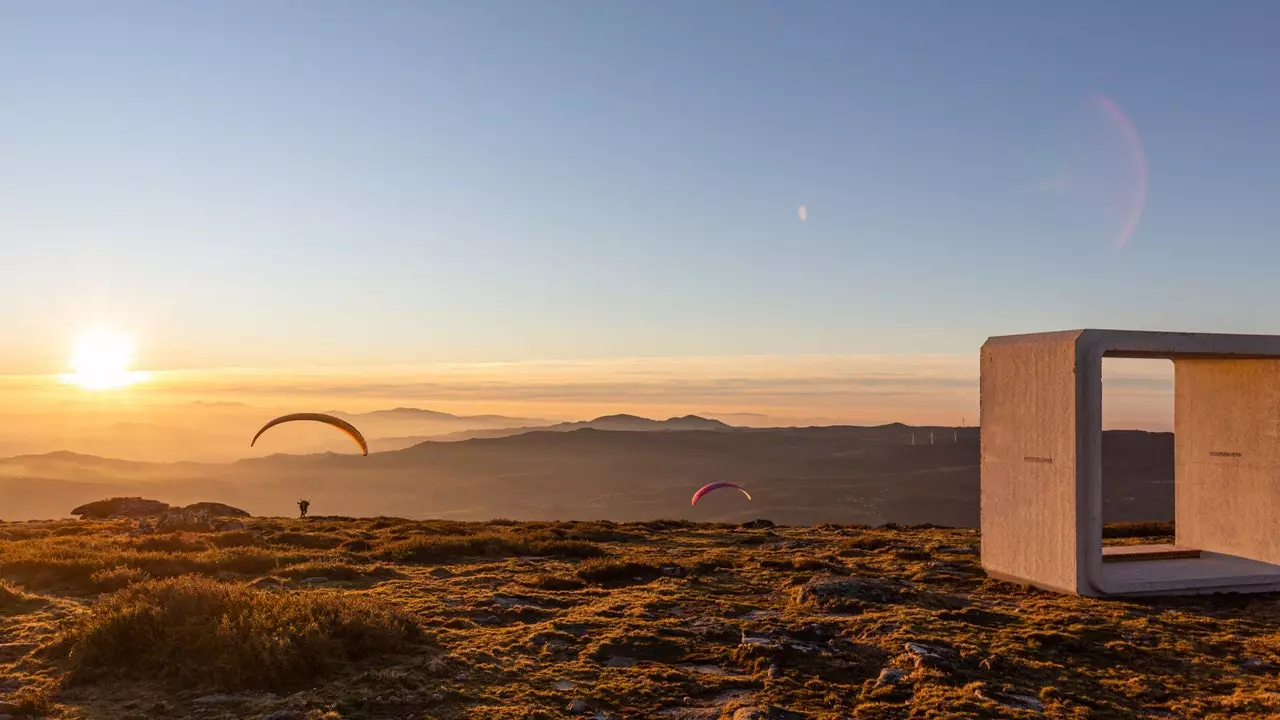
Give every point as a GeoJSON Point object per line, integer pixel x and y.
{"type": "Point", "coordinates": [101, 361]}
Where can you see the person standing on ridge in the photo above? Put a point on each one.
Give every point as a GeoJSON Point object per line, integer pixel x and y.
{"type": "Point", "coordinates": [302, 507]}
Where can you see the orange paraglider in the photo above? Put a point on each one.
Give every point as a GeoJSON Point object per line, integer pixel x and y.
{"type": "Point", "coordinates": [339, 423]}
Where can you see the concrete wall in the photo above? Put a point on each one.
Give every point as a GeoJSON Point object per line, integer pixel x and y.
{"type": "Point", "coordinates": [1042, 461]}
{"type": "Point", "coordinates": [1030, 494]}
{"type": "Point", "coordinates": [1227, 425]}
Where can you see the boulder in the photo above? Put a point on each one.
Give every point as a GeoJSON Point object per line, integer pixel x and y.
{"type": "Point", "coordinates": [183, 519]}
{"type": "Point", "coordinates": [131, 507]}
{"type": "Point", "coordinates": [890, 676]}
{"type": "Point", "coordinates": [842, 594]}
{"type": "Point", "coordinates": [216, 509]}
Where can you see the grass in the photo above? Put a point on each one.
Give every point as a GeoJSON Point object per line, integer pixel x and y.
{"type": "Point", "coordinates": [434, 548]}
{"type": "Point", "coordinates": [198, 633]}
{"type": "Point", "coordinates": [175, 543]}
{"type": "Point", "coordinates": [309, 541]}
{"type": "Point", "coordinates": [234, 538]}
{"type": "Point", "coordinates": [337, 571]}
{"type": "Point", "coordinates": [457, 621]}
{"type": "Point", "coordinates": [14, 600]}
{"type": "Point", "coordinates": [70, 564]}
{"type": "Point", "coordinates": [555, 582]}
{"type": "Point", "coordinates": [117, 578]}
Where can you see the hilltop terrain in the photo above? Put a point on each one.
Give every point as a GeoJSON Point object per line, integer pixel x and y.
{"type": "Point", "coordinates": [383, 618]}
{"type": "Point", "coordinates": [798, 476]}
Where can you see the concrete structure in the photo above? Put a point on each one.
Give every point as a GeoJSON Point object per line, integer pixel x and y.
{"type": "Point", "coordinates": [1042, 464]}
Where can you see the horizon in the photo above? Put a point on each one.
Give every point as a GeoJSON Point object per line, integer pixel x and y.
{"type": "Point", "coordinates": [47, 413]}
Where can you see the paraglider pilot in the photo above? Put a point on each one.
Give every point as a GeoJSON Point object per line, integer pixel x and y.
{"type": "Point", "coordinates": [302, 507]}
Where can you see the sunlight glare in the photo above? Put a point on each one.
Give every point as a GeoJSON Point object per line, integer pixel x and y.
{"type": "Point", "coordinates": [100, 361]}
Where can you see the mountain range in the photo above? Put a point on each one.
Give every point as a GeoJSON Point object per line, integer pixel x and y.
{"type": "Point", "coordinates": [614, 423]}
{"type": "Point", "coordinates": [841, 474]}
{"type": "Point", "coordinates": [220, 432]}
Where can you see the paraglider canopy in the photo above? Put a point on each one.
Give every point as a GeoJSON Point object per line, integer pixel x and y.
{"type": "Point", "coordinates": [715, 486]}
{"type": "Point", "coordinates": [339, 423]}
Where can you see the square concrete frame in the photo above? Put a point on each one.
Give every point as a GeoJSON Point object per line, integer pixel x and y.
{"type": "Point", "coordinates": [1041, 480]}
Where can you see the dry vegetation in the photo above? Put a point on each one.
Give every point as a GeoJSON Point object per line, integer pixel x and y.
{"type": "Point", "coordinates": [384, 618]}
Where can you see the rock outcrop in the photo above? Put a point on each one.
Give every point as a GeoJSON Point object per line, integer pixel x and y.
{"type": "Point", "coordinates": [131, 507]}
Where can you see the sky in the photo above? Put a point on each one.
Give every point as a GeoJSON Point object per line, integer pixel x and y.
{"type": "Point", "coordinates": [600, 185]}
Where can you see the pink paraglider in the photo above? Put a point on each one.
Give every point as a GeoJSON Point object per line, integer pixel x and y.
{"type": "Point", "coordinates": [715, 486]}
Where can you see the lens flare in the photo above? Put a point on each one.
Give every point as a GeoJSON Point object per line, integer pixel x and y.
{"type": "Point", "coordinates": [1103, 175]}
{"type": "Point", "coordinates": [1132, 198]}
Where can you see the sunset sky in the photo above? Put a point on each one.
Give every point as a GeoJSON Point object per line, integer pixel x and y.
{"type": "Point", "coordinates": [569, 206]}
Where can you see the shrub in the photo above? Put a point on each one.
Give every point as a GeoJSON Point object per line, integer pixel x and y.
{"type": "Point", "coordinates": [442, 527]}
{"type": "Point", "coordinates": [1136, 529]}
{"type": "Point", "coordinates": [234, 538]}
{"type": "Point", "coordinates": [158, 564]}
{"type": "Point", "coordinates": [31, 700]}
{"type": "Point", "coordinates": [117, 578]}
{"type": "Point", "coordinates": [73, 530]}
{"type": "Point", "coordinates": [866, 542]}
{"type": "Point", "coordinates": [565, 549]}
{"type": "Point", "coordinates": [195, 632]}
{"type": "Point", "coordinates": [555, 582]}
{"type": "Point", "coordinates": [335, 571]}
{"type": "Point", "coordinates": [245, 561]}
{"type": "Point", "coordinates": [713, 561]}
{"type": "Point", "coordinates": [357, 545]}
{"type": "Point", "coordinates": [53, 562]}
{"type": "Point", "coordinates": [172, 543]}
{"type": "Point", "coordinates": [307, 540]}
{"type": "Point", "coordinates": [424, 548]}
{"type": "Point", "coordinates": [383, 523]}
{"type": "Point", "coordinates": [23, 533]}
{"type": "Point", "coordinates": [912, 554]}
{"type": "Point", "coordinates": [13, 600]}
{"type": "Point", "coordinates": [799, 563]}
{"type": "Point", "coordinates": [607, 571]}
{"type": "Point", "coordinates": [600, 532]}
{"type": "Point", "coordinates": [659, 525]}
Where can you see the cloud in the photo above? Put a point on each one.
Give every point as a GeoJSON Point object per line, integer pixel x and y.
{"type": "Point", "coordinates": [852, 388]}
{"type": "Point", "coordinates": [1059, 185]}
{"type": "Point", "coordinates": [1139, 383]}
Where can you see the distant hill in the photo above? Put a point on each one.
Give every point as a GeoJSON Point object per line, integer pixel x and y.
{"type": "Point", "coordinates": [640, 424]}
{"type": "Point", "coordinates": [90, 468]}
{"type": "Point", "coordinates": [867, 475]}
{"type": "Point", "coordinates": [613, 423]}
{"type": "Point", "coordinates": [410, 414]}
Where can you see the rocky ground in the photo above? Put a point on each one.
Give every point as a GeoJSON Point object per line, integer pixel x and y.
{"type": "Point", "coordinates": [384, 618]}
